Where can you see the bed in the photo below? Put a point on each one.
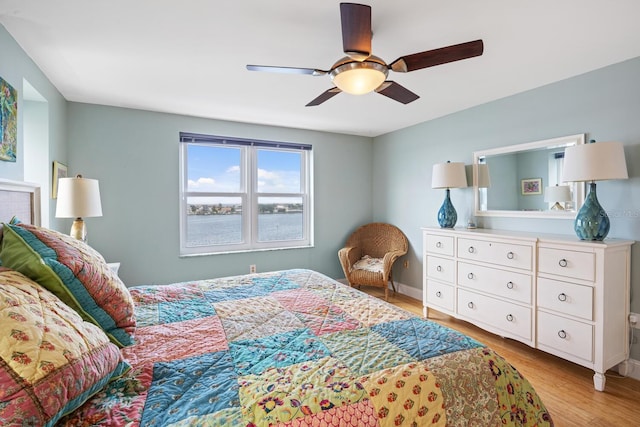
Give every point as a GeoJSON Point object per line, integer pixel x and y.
{"type": "Point", "coordinates": [283, 348]}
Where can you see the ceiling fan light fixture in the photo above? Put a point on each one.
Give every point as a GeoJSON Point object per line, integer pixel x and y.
{"type": "Point", "coordinates": [358, 78]}
{"type": "Point", "coordinates": [361, 72]}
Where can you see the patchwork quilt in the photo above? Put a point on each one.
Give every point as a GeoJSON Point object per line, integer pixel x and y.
{"type": "Point", "coordinates": [296, 348]}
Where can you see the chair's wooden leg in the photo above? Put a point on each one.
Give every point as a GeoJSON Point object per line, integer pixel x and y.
{"type": "Point", "coordinates": [392, 284]}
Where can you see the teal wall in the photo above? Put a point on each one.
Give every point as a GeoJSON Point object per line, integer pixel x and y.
{"type": "Point", "coordinates": [15, 67]}
{"type": "Point", "coordinates": [505, 185]}
{"type": "Point", "coordinates": [604, 104]}
{"type": "Point", "coordinates": [134, 155]}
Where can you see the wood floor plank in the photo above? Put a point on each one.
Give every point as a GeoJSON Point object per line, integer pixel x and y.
{"type": "Point", "coordinates": [565, 388]}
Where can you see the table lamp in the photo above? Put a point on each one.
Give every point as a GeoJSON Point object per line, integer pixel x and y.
{"type": "Point", "coordinates": [590, 163]}
{"type": "Point", "coordinates": [78, 197]}
{"type": "Point", "coordinates": [557, 194]}
{"type": "Point", "coordinates": [448, 175]}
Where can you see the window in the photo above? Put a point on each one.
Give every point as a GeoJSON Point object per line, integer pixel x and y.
{"type": "Point", "coordinates": [242, 195]}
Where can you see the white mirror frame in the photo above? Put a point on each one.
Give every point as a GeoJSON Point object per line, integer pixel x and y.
{"type": "Point", "coordinates": [547, 143]}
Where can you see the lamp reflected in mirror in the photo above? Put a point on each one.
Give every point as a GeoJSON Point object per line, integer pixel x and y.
{"type": "Point", "coordinates": [483, 177]}
{"type": "Point", "coordinates": [557, 195]}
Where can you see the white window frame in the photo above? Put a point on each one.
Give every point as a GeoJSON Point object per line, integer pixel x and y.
{"type": "Point", "coordinates": [248, 194]}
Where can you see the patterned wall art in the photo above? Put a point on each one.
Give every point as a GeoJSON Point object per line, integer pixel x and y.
{"type": "Point", "coordinates": [531, 186]}
{"type": "Point", "coordinates": [8, 121]}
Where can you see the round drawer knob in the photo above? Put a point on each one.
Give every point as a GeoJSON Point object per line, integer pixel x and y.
{"type": "Point", "coordinates": [562, 334]}
{"type": "Point", "coordinates": [562, 297]}
{"type": "Point", "coordinates": [510, 317]}
{"type": "Point", "coordinates": [470, 275]}
{"type": "Point", "coordinates": [471, 249]}
{"type": "Point", "coordinates": [470, 305]}
{"type": "Point", "coordinates": [439, 294]}
{"type": "Point", "coordinates": [563, 262]}
{"type": "Point", "coordinates": [439, 268]}
{"type": "Point", "coordinates": [439, 245]}
{"type": "Point", "coordinates": [509, 285]}
{"type": "Point", "coordinates": [510, 255]}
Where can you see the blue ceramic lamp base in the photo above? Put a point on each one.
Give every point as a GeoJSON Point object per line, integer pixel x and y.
{"type": "Point", "coordinates": [447, 215]}
{"type": "Point", "coordinates": [592, 222]}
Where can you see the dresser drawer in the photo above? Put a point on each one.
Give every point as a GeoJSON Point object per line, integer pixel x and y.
{"type": "Point", "coordinates": [441, 269]}
{"type": "Point", "coordinates": [574, 264]}
{"type": "Point", "coordinates": [505, 254]}
{"type": "Point", "coordinates": [505, 316]}
{"type": "Point", "coordinates": [507, 284]}
{"type": "Point", "coordinates": [566, 298]}
{"type": "Point", "coordinates": [439, 295]}
{"type": "Point", "coordinates": [435, 244]}
{"type": "Point", "coordinates": [566, 335]}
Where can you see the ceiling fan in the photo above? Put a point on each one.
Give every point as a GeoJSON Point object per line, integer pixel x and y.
{"type": "Point", "coordinates": [361, 72]}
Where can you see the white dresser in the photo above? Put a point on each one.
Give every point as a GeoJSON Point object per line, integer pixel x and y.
{"type": "Point", "coordinates": [556, 293]}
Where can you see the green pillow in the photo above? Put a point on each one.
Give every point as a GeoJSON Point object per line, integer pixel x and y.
{"type": "Point", "coordinates": [75, 273]}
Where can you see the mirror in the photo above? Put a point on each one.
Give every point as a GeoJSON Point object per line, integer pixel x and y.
{"type": "Point", "coordinates": [525, 180]}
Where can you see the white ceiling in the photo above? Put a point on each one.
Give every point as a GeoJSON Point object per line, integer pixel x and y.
{"type": "Point", "coordinates": [188, 57]}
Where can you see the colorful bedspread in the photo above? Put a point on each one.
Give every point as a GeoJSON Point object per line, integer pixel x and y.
{"type": "Point", "coordinates": [296, 348]}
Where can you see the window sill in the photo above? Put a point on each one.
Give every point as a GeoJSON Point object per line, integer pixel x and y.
{"type": "Point", "coordinates": [229, 252]}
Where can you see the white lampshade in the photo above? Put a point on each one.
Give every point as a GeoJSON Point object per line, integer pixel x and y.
{"type": "Point", "coordinates": [484, 179]}
{"type": "Point", "coordinates": [78, 197]}
{"type": "Point", "coordinates": [448, 175]}
{"type": "Point", "coordinates": [557, 193]}
{"type": "Point", "coordinates": [594, 162]}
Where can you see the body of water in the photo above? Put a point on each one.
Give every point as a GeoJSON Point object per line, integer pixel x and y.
{"type": "Point", "coordinates": [205, 230]}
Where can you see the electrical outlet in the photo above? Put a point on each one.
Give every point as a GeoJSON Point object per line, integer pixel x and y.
{"type": "Point", "coordinates": [252, 268]}
{"type": "Point", "coordinates": [634, 320]}
{"type": "Point", "coordinates": [406, 264]}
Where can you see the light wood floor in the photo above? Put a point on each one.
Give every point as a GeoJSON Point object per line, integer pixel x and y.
{"type": "Point", "coordinates": [565, 388]}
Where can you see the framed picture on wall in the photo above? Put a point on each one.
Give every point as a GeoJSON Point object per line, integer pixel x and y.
{"type": "Point", "coordinates": [59, 171]}
{"type": "Point", "coordinates": [8, 121]}
{"type": "Point", "coordinates": [531, 186]}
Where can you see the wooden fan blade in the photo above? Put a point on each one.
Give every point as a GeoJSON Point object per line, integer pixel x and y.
{"type": "Point", "coordinates": [326, 95]}
{"type": "Point", "coordinates": [287, 70]}
{"type": "Point", "coordinates": [396, 92]}
{"type": "Point", "coordinates": [443, 55]}
{"type": "Point", "coordinates": [356, 30]}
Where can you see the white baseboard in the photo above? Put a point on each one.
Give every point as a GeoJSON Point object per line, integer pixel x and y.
{"type": "Point", "coordinates": [409, 291]}
{"type": "Point", "coordinates": [630, 368]}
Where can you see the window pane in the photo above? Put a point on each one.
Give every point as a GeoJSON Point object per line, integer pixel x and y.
{"type": "Point", "coordinates": [213, 221]}
{"type": "Point", "coordinates": [280, 219]}
{"type": "Point", "coordinates": [278, 171]}
{"type": "Point", "coordinates": [213, 169]}
{"type": "Point", "coordinates": [243, 195]}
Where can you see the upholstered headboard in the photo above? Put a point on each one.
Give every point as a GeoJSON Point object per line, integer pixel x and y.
{"type": "Point", "coordinates": [20, 199]}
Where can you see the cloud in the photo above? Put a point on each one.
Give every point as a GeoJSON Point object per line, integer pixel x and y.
{"type": "Point", "coordinates": [201, 184]}
{"type": "Point", "coordinates": [278, 181]}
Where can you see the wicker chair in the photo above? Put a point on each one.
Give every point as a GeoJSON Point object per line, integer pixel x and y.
{"type": "Point", "coordinates": [369, 254]}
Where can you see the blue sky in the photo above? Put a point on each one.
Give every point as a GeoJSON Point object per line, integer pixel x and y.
{"type": "Point", "coordinates": [217, 169]}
